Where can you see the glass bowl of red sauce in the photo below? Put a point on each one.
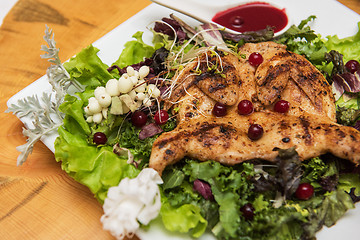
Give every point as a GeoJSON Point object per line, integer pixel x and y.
{"type": "Point", "coordinates": [253, 16]}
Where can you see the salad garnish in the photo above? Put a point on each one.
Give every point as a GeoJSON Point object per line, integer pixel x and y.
{"type": "Point", "coordinates": [133, 202]}
{"type": "Point", "coordinates": [108, 118]}
{"type": "Point", "coordinates": [44, 112]}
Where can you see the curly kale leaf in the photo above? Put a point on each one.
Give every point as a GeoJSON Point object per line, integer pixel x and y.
{"type": "Point", "coordinates": [347, 116]}
{"type": "Point", "coordinates": [303, 40]}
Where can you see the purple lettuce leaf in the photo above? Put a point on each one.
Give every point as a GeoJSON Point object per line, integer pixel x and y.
{"type": "Point", "coordinates": [203, 188]}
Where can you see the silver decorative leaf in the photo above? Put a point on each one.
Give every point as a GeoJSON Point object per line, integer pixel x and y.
{"type": "Point", "coordinates": [44, 111]}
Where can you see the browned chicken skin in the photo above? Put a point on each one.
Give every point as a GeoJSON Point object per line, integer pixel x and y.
{"type": "Point", "coordinates": [309, 125]}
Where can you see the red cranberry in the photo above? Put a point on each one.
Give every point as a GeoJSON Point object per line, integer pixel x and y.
{"type": "Point", "coordinates": [255, 59]}
{"type": "Point", "coordinates": [219, 110]}
{"type": "Point", "coordinates": [255, 132]}
{"type": "Point", "coordinates": [245, 107]}
{"type": "Point", "coordinates": [282, 106]}
{"type": "Point", "coordinates": [99, 138]}
{"type": "Point", "coordinates": [352, 66]}
{"type": "Point", "coordinates": [138, 118]}
{"type": "Point", "coordinates": [304, 191]}
{"type": "Point", "coordinates": [248, 211]}
{"type": "Point", "coordinates": [161, 117]}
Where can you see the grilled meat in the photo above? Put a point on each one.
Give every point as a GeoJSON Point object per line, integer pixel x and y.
{"type": "Point", "coordinates": [309, 125]}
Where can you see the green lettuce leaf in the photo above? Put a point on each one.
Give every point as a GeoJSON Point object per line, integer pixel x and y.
{"type": "Point", "coordinates": [73, 108]}
{"type": "Point", "coordinates": [229, 209]}
{"type": "Point", "coordinates": [96, 168]}
{"type": "Point", "coordinates": [184, 219]}
{"type": "Point", "coordinates": [173, 179]}
{"type": "Point", "coordinates": [162, 40]}
{"type": "Point", "coordinates": [87, 68]}
{"type": "Point", "coordinates": [317, 169]}
{"type": "Point", "coordinates": [352, 103]}
{"type": "Point", "coordinates": [230, 188]}
{"type": "Point", "coordinates": [326, 210]}
{"type": "Point", "coordinates": [349, 47]}
{"type": "Point", "coordinates": [303, 40]}
{"type": "Point", "coordinates": [348, 181]}
{"type": "Point", "coordinates": [136, 50]}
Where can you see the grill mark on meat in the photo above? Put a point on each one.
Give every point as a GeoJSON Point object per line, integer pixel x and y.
{"type": "Point", "coordinates": [206, 73]}
{"type": "Point", "coordinates": [284, 125]}
{"type": "Point", "coordinates": [305, 126]}
{"type": "Point", "coordinates": [274, 72]}
{"type": "Point", "coordinates": [225, 130]}
{"type": "Point", "coordinates": [201, 77]}
{"type": "Point", "coordinates": [161, 144]}
{"type": "Point", "coordinates": [220, 83]}
{"type": "Point", "coordinates": [283, 54]}
{"type": "Point", "coordinates": [340, 133]}
{"type": "Point", "coordinates": [169, 152]}
{"type": "Point", "coordinates": [203, 133]}
{"type": "Point", "coordinates": [272, 84]}
{"type": "Point", "coordinates": [310, 82]}
{"type": "Point", "coordinates": [217, 87]}
{"type": "Point", "coordinates": [208, 139]}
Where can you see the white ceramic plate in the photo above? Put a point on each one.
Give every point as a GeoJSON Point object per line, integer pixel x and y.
{"type": "Point", "coordinates": [332, 18]}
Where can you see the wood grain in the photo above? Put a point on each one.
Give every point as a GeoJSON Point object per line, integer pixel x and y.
{"type": "Point", "coordinates": [352, 4]}
{"type": "Point", "coordinates": [38, 200]}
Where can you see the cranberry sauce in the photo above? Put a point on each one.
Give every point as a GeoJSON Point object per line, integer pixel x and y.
{"type": "Point", "coordinates": [252, 17]}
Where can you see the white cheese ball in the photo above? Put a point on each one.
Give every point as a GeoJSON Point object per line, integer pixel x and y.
{"type": "Point", "coordinates": [87, 110]}
{"type": "Point", "coordinates": [125, 85]}
{"type": "Point", "coordinates": [112, 87]}
{"type": "Point", "coordinates": [104, 100]}
{"type": "Point", "coordinates": [97, 117]}
{"type": "Point", "coordinates": [134, 80]}
{"type": "Point", "coordinates": [144, 71]}
{"type": "Point", "coordinates": [136, 74]}
{"type": "Point", "coordinates": [94, 106]}
{"type": "Point", "coordinates": [141, 86]}
{"type": "Point", "coordinates": [104, 112]}
{"type": "Point", "coordinates": [140, 96]}
{"type": "Point", "coordinates": [99, 91]}
{"type": "Point", "coordinates": [153, 91]}
{"type": "Point", "coordinates": [156, 93]}
{"type": "Point", "coordinates": [89, 119]}
{"type": "Point", "coordinates": [130, 71]}
{"type": "Point", "coordinates": [147, 102]}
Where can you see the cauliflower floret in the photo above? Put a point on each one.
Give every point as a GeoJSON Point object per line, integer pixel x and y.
{"type": "Point", "coordinates": [132, 201]}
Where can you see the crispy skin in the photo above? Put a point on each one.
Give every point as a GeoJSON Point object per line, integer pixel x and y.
{"type": "Point", "coordinates": [280, 68]}
{"type": "Point", "coordinates": [309, 126]}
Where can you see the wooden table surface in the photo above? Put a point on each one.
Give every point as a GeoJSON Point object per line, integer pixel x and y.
{"type": "Point", "coordinates": [38, 200]}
